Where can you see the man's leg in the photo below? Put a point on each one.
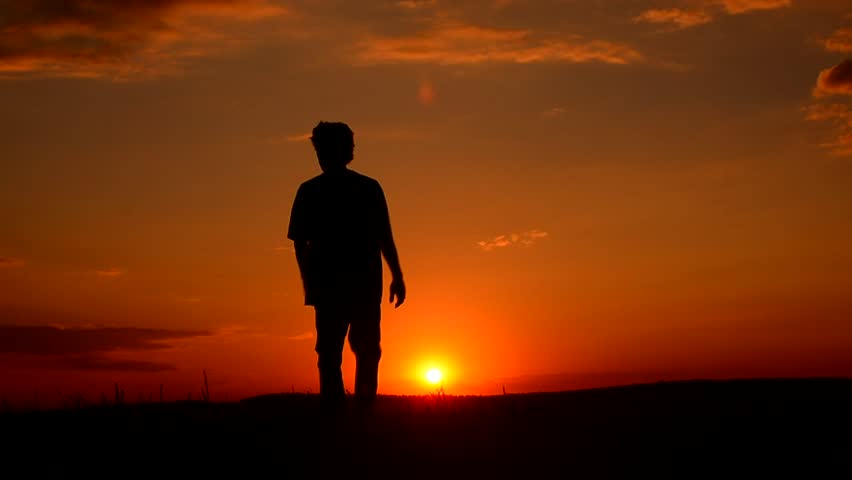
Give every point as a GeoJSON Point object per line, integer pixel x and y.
{"type": "Point", "coordinates": [365, 340]}
{"type": "Point", "coordinates": [331, 325]}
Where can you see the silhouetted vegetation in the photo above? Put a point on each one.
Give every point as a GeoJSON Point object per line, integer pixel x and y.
{"type": "Point", "coordinates": [119, 395]}
{"type": "Point", "coordinates": [205, 389]}
{"type": "Point", "coordinates": [668, 429]}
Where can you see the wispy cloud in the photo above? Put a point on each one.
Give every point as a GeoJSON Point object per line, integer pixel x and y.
{"type": "Point", "coordinates": [554, 112]}
{"type": "Point", "coordinates": [111, 272]}
{"type": "Point", "coordinates": [416, 4]}
{"type": "Point", "coordinates": [451, 42]}
{"type": "Point", "coordinates": [705, 12]}
{"type": "Point", "coordinates": [283, 248]}
{"type": "Point", "coordinates": [736, 7]}
{"type": "Point", "coordinates": [302, 336]}
{"type": "Point", "coordinates": [90, 362]}
{"type": "Point", "coordinates": [840, 41]}
{"type": "Point", "coordinates": [118, 39]}
{"type": "Point", "coordinates": [525, 239]}
{"type": "Point", "coordinates": [840, 118]}
{"type": "Point", "coordinates": [836, 80]}
{"type": "Point", "coordinates": [290, 138]}
{"type": "Point", "coordinates": [676, 17]}
{"type": "Point", "coordinates": [833, 82]}
{"type": "Point", "coordinates": [6, 262]}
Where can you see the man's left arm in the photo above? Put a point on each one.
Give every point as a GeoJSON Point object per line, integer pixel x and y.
{"type": "Point", "coordinates": [388, 248]}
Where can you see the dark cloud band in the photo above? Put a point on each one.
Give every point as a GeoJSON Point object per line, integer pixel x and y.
{"type": "Point", "coordinates": [94, 38]}
{"type": "Point", "coordinates": [836, 80]}
{"type": "Point", "coordinates": [88, 348]}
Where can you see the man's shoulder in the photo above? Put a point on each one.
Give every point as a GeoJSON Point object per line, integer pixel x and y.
{"type": "Point", "coordinates": [357, 176]}
{"type": "Point", "coordinates": [365, 180]}
{"type": "Point", "coordinates": [326, 181]}
{"type": "Point", "coordinates": [311, 186]}
{"type": "Point", "coordinates": [354, 178]}
{"type": "Point", "coordinates": [311, 182]}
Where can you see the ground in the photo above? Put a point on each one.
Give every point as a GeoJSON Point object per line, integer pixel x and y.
{"type": "Point", "coordinates": [754, 428]}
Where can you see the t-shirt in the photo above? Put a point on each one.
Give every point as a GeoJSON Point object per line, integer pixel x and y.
{"type": "Point", "coordinates": [343, 216]}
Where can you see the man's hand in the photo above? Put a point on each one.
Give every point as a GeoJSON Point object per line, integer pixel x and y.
{"type": "Point", "coordinates": [397, 290]}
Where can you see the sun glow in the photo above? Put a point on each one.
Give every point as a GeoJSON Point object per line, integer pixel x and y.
{"type": "Point", "coordinates": [434, 376]}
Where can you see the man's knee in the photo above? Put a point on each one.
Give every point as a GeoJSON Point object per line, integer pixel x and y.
{"type": "Point", "coordinates": [366, 349]}
{"type": "Point", "coordinates": [329, 346]}
{"type": "Point", "coordinates": [329, 358]}
{"type": "Point", "coordinates": [365, 335]}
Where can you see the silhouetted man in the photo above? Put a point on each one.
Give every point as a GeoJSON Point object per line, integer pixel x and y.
{"type": "Point", "coordinates": [340, 228]}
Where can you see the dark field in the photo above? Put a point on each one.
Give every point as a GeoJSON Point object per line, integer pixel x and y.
{"type": "Point", "coordinates": [730, 429]}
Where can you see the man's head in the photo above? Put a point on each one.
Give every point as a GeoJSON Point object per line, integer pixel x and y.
{"type": "Point", "coordinates": [334, 143]}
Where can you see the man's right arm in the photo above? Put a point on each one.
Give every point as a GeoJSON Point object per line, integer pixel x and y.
{"type": "Point", "coordinates": [298, 232]}
{"type": "Point", "coordinates": [303, 256]}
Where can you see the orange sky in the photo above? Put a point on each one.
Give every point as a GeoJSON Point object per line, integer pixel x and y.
{"type": "Point", "coordinates": [582, 193]}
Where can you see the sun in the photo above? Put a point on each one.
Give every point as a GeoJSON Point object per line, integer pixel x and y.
{"type": "Point", "coordinates": [434, 376]}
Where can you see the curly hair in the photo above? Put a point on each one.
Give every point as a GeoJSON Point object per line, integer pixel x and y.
{"type": "Point", "coordinates": [334, 143]}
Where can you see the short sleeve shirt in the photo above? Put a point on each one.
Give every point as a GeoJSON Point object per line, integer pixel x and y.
{"type": "Point", "coordinates": [343, 216]}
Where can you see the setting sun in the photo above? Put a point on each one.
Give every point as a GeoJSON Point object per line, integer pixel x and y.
{"type": "Point", "coordinates": [434, 376]}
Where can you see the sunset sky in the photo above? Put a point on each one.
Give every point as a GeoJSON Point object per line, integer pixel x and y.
{"type": "Point", "coordinates": [583, 192]}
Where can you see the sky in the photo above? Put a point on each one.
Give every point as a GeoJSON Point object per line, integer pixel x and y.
{"type": "Point", "coordinates": [583, 193]}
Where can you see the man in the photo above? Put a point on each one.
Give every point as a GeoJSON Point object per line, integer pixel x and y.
{"type": "Point", "coordinates": [340, 229]}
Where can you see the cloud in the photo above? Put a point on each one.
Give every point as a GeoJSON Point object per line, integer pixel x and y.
{"type": "Point", "coordinates": [823, 112]}
{"type": "Point", "coordinates": [54, 340]}
{"type": "Point", "coordinates": [11, 262]}
{"type": "Point", "coordinates": [554, 112]}
{"type": "Point", "coordinates": [302, 336]}
{"type": "Point", "coordinates": [735, 7]}
{"type": "Point", "coordinates": [840, 41]}
{"type": "Point", "coordinates": [841, 145]}
{"type": "Point", "coordinates": [458, 43]}
{"type": "Point", "coordinates": [526, 239]}
{"type": "Point", "coordinates": [95, 348]}
{"type": "Point", "coordinates": [292, 138]}
{"type": "Point", "coordinates": [840, 117]}
{"type": "Point", "coordinates": [110, 272]}
{"type": "Point", "coordinates": [416, 4]}
{"type": "Point", "coordinates": [284, 248]}
{"type": "Point", "coordinates": [118, 364]}
{"type": "Point", "coordinates": [676, 17]}
{"type": "Point", "coordinates": [680, 19]}
{"type": "Point", "coordinates": [117, 39]}
{"type": "Point", "coordinates": [836, 80]}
